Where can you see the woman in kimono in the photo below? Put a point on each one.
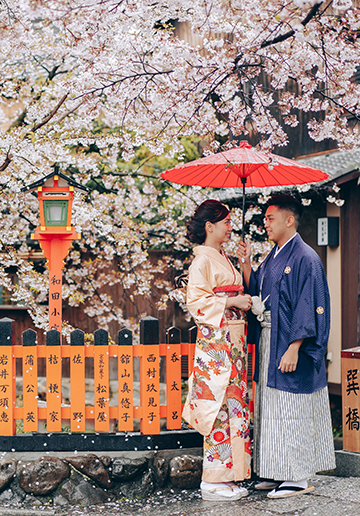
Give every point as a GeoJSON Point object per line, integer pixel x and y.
{"type": "Point", "coordinates": [217, 404]}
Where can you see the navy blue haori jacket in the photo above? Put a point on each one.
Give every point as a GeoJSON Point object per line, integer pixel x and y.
{"type": "Point", "coordinates": [300, 309]}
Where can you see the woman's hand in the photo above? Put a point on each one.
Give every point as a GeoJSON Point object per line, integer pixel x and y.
{"type": "Point", "coordinates": [242, 301]}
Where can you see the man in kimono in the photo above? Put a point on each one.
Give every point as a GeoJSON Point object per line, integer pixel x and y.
{"type": "Point", "coordinates": [292, 422]}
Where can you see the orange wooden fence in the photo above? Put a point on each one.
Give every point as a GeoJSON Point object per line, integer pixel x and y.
{"type": "Point", "coordinates": [100, 414]}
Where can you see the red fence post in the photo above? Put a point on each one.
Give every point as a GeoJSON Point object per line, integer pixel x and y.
{"type": "Point", "coordinates": [53, 381]}
{"type": "Point", "coordinates": [173, 378]}
{"type": "Point", "coordinates": [7, 377]}
{"type": "Point", "coordinates": [30, 381]}
{"type": "Point", "coordinates": [150, 376]}
{"type": "Point", "coordinates": [125, 381]}
{"type": "Point", "coordinates": [77, 381]}
{"type": "Point", "coordinates": [101, 381]}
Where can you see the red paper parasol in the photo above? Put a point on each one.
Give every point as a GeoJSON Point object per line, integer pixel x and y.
{"type": "Point", "coordinates": [243, 166]}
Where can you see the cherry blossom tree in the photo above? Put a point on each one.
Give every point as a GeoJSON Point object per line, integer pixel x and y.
{"type": "Point", "coordinates": [114, 93]}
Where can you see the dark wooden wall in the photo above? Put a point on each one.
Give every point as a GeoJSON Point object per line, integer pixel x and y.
{"type": "Point", "coordinates": [308, 227]}
{"type": "Point", "coordinates": [22, 322]}
{"type": "Point", "coordinates": [350, 264]}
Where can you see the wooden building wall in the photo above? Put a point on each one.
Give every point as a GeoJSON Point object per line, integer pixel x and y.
{"type": "Point", "coordinates": [308, 227]}
{"type": "Point", "coordinates": [350, 260]}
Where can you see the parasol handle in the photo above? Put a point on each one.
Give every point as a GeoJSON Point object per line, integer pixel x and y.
{"type": "Point", "coordinates": [243, 180]}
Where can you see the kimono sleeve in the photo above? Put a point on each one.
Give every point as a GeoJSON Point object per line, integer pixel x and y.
{"type": "Point", "coordinates": [253, 288]}
{"type": "Point", "coordinates": [204, 306]}
{"type": "Point", "coordinates": [311, 314]}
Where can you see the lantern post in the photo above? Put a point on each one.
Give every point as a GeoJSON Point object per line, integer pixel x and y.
{"type": "Point", "coordinates": [55, 233]}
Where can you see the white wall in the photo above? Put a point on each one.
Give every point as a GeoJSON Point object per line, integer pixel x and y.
{"type": "Point", "coordinates": [333, 273]}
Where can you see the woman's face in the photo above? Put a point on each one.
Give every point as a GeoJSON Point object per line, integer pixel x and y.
{"type": "Point", "coordinates": [220, 231]}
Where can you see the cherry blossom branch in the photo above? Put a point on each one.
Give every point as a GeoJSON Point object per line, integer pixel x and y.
{"type": "Point", "coordinates": [125, 292]}
{"type": "Point", "coordinates": [93, 5]}
{"type": "Point", "coordinates": [337, 104]}
{"type": "Point", "coordinates": [70, 112]}
{"type": "Point", "coordinates": [282, 37]}
{"type": "Point", "coordinates": [10, 12]}
{"type": "Point", "coordinates": [7, 161]}
{"type": "Point", "coordinates": [111, 310]}
{"type": "Point", "coordinates": [49, 117]}
{"type": "Point", "coordinates": [51, 73]}
{"type": "Point", "coordinates": [19, 121]}
{"type": "Point", "coordinates": [211, 94]}
{"type": "Point", "coordinates": [9, 157]}
{"type": "Point", "coordinates": [111, 84]}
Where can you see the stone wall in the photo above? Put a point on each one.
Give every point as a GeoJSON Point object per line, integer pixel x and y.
{"type": "Point", "coordinates": [91, 479]}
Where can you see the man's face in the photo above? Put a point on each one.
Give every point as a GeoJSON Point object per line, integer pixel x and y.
{"type": "Point", "coordinates": [277, 223]}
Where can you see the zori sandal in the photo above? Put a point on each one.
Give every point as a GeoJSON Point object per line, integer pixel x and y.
{"type": "Point", "coordinates": [287, 491]}
{"type": "Point", "coordinates": [266, 485]}
{"type": "Point", "coordinates": [222, 492]}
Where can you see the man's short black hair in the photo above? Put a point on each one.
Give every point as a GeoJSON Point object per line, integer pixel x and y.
{"type": "Point", "coordinates": [289, 203]}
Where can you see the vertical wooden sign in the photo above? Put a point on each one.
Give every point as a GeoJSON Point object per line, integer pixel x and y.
{"type": "Point", "coordinates": [350, 372]}
{"type": "Point", "coordinates": [150, 376]}
{"type": "Point", "coordinates": [7, 378]}
{"type": "Point", "coordinates": [101, 381]}
{"type": "Point", "coordinates": [77, 381]}
{"type": "Point", "coordinates": [30, 378]}
{"type": "Point", "coordinates": [55, 287]}
{"type": "Point", "coordinates": [125, 381]}
{"type": "Point", "coordinates": [53, 381]}
{"type": "Point", "coordinates": [173, 378]}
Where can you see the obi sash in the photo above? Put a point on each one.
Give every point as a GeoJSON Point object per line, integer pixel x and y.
{"type": "Point", "coordinates": [232, 313]}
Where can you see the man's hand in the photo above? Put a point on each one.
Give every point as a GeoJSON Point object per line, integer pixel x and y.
{"type": "Point", "coordinates": [289, 359]}
{"type": "Point", "coordinates": [244, 251]}
{"type": "Point", "coordinates": [244, 254]}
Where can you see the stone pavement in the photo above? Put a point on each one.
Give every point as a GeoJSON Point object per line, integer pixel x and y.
{"type": "Point", "coordinates": [333, 496]}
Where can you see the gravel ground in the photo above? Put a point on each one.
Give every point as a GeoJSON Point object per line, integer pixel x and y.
{"type": "Point", "coordinates": [333, 496]}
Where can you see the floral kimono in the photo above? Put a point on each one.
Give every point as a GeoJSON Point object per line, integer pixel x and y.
{"type": "Point", "coordinates": [217, 405]}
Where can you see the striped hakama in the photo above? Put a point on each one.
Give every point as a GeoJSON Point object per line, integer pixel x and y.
{"type": "Point", "coordinates": [292, 432]}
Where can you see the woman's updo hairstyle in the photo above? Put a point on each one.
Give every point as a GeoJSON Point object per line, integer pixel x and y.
{"type": "Point", "coordinates": [208, 211]}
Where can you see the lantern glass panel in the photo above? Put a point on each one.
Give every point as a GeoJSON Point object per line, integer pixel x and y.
{"type": "Point", "coordinates": [55, 213]}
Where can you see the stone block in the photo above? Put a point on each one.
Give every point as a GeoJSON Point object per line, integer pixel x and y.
{"type": "Point", "coordinates": [7, 472]}
{"type": "Point", "coordinates": [161, 470]}
{"type": "Point", "coordinates": [123, 469]}
{"type": "Point", "coordinates": [84, 493]}
{"type": "Point", "coordinates": [91, 466]}
{"type": "Point", "coordinates": [347, 464]}
{"type": "Point", "coordinates": [185, 471]}
{"type": "Point", "coordinates": [139, 488]}
{"type": "Point", "coordinates": [10, 497]}
{"type": "Point", "coordinates": [43, 476]}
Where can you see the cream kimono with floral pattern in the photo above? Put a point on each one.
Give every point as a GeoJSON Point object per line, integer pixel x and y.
{"type": "Point", "coordinates": [217, 404]}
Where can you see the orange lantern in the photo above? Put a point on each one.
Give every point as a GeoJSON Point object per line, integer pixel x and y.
{"type": "Point", "coordinates": [55, 233]}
